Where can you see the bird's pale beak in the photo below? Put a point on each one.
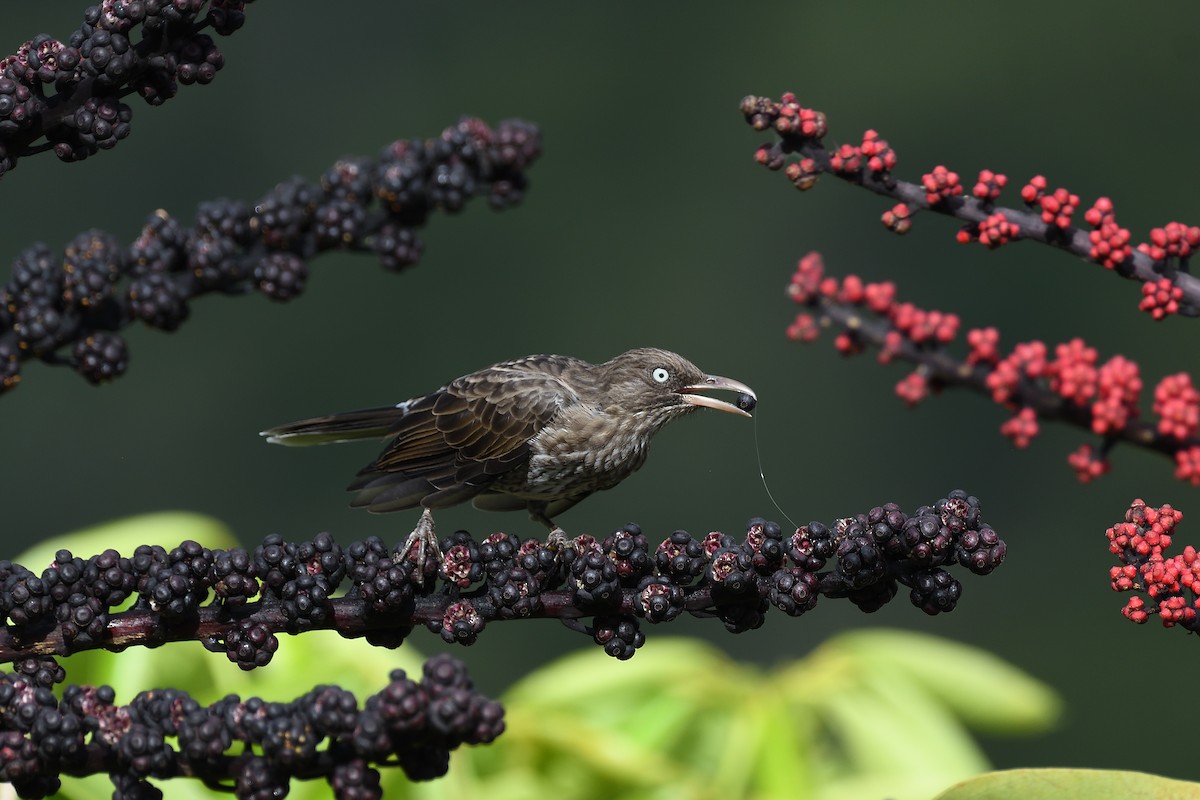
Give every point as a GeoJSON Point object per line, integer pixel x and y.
{"type": "Point", "coordinates": [747, 399]}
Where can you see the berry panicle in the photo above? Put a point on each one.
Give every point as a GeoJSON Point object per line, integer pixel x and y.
{"type": "Point", "coordinates": [1047, 216]}
{"type": "Point", "coordinates": [68, 307]}
{"type": "Point", "coordinates": [1033, 381]}
{"type": "Point", "coordinates": [1164, 584]}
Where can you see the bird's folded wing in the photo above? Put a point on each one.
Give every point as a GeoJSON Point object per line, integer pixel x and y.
{"type": "Point", "coordinates": [479, 425]}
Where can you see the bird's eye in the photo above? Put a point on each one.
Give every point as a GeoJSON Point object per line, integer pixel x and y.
{"type": "Point", "coordinates": [660, 375]}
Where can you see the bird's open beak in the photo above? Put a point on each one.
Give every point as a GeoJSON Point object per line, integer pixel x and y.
{"type": "Point", "coordinates": [747, 399]}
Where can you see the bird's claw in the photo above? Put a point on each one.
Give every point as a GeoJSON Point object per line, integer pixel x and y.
{"type": "Point", "coordinates": [559, 540]}
{"type": "Point", "coordinates": [424, 539]}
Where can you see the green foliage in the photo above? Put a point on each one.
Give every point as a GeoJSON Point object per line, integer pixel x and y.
{"type": "Point", "coordinates": [871, 714]}
{"type": "Point", "coordinates": [1069, 784]}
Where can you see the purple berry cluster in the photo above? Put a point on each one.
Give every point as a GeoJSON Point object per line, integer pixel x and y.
{"type": "Point", "coordinates": [66, 96]}
{"type": "Point", "coordinates": [237, 601]}
{"type": "Point", "coordinates": [65, 307]}
{"type": "Point", "coordinates": [252, 747]}
{"type": "Point", "coordinates": [873, 554]}
{"type": "Point", "coordinates": [623, 579]}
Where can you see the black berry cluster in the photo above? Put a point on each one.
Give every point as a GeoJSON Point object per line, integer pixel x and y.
{"type": "Point", "coordinates": [623, 579]}
{"type": "Point", "coordinates": [237, 602]}
{"type": "Point", "coordinates": [873, 554]}
{"type": "Point", "coordinates": [66, 96]}
{"type": "Point", "coordinates": [251, 747]}
{"type": "Point", "coordinates": [66, 308]}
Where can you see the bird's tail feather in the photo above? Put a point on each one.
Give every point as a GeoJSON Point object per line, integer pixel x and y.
{"type": "Point", "coordinates": [369, 423]}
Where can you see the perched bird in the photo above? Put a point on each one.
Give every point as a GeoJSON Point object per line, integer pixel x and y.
{"type": "Point", "coordinates": [538, 433]}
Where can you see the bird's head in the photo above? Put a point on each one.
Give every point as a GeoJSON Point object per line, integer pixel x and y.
{"type": "Point", "coordinates": [665, 385]}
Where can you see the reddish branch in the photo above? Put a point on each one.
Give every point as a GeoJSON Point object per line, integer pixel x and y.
{"type": "Point", "coordinates": [1161, 263]}
{"type": "Point", "coordinates": [1037, 382]}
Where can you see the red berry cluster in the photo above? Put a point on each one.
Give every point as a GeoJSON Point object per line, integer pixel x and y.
{"type": "Point", "coordinates": [989, 185]}
{"type": "Point", "coordinates": [846, 159]}
{"type": "Point", "coordinates": [993, 231]}
{"type": "Point", "coordinates": [804, 328]}
{"type": "Point", "coordinates": [1187, 465]}
{"type": "Point", "coordinates": [940, 184]}
{"type": "Point", "coordinates": [1168, 585]}
{"type": "Point", "coordinates": [1087, 463]}
{"type": "Point", "coordinates": [1027, 360]}
{"type": "Point", "coordinates": [1118, 385]}
{"type": "Point", "coordinates": [898, 218]}
{"type": "Point", "coordinates": [921, 326]}
{"type": "Point", "coordinates": [1068, 382]}
{"type": "Point", "coordinates": [1177, 404]}
{"type": "Point", "coordinates": [806, 280]}
{"type": "Point", "coordinates": [879, 154]}
{"type": "Point", "coordinates": [1160, 298]}
{"type": "Point", "coordinates": [1021, 428]}
{"type": "Point", "coordinates": [1110, 242]}
{"type": "Point", "coordinates": [1056, 207]}
{"type": "Point", "coordinates": [803, 173]}
{"type": "Point", "coordinates": [1173, 239]}
{"type": "Point", "coordinates": [984, 344]}
{"type": "Point", "coordinates": [786, 116]}
{"type": "Point", "coordinates": [1159, 264]}
{"type": "Point", "coordinates": [912, 388]}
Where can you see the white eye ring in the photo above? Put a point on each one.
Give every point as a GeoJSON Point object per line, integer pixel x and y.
{"type": "Point", "coordinates": [660, 375]}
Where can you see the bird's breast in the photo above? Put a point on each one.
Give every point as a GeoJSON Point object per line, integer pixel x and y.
{"type": "Point", "coordinates": [584, 450]}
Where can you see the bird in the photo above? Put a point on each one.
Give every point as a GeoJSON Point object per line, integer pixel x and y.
{"type": "Point", "coordinates": [538, 433]}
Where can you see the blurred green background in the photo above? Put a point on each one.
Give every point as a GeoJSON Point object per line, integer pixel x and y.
{"type": "Point", "coordinates": [648, 223]}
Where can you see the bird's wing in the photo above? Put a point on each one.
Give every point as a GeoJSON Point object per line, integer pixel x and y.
{"type": "Point", "coordinates": [454, 443]}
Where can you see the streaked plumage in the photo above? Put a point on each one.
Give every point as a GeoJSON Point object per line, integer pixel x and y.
{"type": "Point", "coordinates": [539, 433]}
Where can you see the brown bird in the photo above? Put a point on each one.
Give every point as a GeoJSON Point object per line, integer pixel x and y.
{"type": "Point", "coordinates": [538, 433]}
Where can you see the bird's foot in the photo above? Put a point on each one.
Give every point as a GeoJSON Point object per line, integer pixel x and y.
{"type": "Point", "coordinates": [424, 540]}
{"type": "Point", "coordinates": [559, 540]}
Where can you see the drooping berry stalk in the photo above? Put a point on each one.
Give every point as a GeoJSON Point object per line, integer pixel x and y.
{"type": "Point", "coordinates": [66, 96]}
{"type": "Point", "coordinates": [66, 307]}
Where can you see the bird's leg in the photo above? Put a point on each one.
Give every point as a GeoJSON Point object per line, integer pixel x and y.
{"type": "Point", "coordinates": [425, 541]}
{"type": "Point", "coordinates": [558, 538]}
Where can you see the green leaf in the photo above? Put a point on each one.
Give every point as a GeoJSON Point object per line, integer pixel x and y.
{"type": "Point", "coordinates": [987, 693]}
{"type": "Point", "coordinates": [862, 716]}
{"type": "Point", "coordinates": [1066, 784]}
